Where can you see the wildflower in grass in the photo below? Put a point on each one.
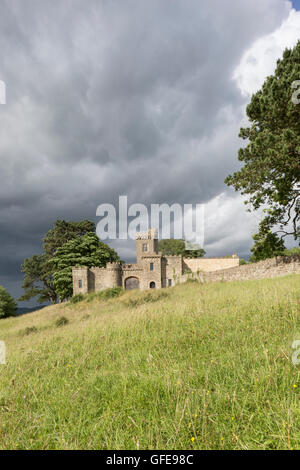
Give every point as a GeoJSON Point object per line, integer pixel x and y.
{"type": "Point", "coordinates": [195, 415]}
{"type": "Point", "coordinates": [192, 439]}
{"type": "Point", "coordinates": [295, 386]}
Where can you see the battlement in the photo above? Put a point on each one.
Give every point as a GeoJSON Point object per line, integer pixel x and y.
{"type": "Point", "coordinates": [115, 266]}
{"type": "Point", "coordinates": [152, 270]}
{"type": "Point", "coordinates": [151, 234]}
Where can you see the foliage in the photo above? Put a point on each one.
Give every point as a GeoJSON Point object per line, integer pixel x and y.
{"type": "Point", "coordinates": [109, 293]}
{"type": "Point", "coordinates": [8, 306]}
{"type": "Point", "coordinates": [86, 250]}
{"type": "Point", "coordinates": [292, 251]}
{"type": "Point", "coordinates": [266, 244]}
{"type": "Point", "coordinates": [77, 298]}
{"type": "Point", "coordinates": [38, 279]}
{"type": "Point", "coordinates": [63, 232]}
{"type": "Point", "coordinates": [192, 279]}
{"type": "Point", "coordinates": [38, 270]}
{"type": "Point", "coordinates": [176, 247]}
{"type": "Point", "coordinates": [29, 330]}
{"type": "Point", "coordinates": [146, 298]}
{"type": "Point", "coordinates": [271, 171]}
{"type": "Point", "coordinates": [61, 321]}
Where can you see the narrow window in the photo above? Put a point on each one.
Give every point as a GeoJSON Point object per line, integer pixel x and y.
{"type": "Point", "coordinates": [151, 266]}
{"type": "Point", "coordinates": [169, 282]}
{"type": "Point", "coordinates": [80, 283]}
{"type": "Point", "coordinates": [145, 247]}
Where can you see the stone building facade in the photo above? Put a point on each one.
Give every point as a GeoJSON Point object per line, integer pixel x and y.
{"type": "Point", "coordinates": [151, 270]}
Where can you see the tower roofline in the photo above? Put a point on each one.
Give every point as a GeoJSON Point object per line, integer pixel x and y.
{"type": "Point", "coordinates": [151, 234]}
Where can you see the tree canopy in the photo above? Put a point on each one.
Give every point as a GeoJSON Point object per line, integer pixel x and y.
{"type": "Point", "coordinates": [8, 306]}
{"type": "Point", "coordinates": [39, 271]}
{"type": "Point", "coordinates": [266, 244]}
{"type": "Point", "coordinates": [270, 175]}
{"type": "Point", "coordinates": [87, 250]}
{"type": "Point", "coordinates": [176, 247]}
{"type": "Point", "coordinates": [63, 232]}
{"type": "Point", "coordinates": [38, 279]}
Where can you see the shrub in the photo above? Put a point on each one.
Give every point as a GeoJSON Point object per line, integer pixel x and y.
{"type": "Point", "coordinates": [28, 330]}
{"type": "Point", "coordinates": [8, 306]}
{"type": "Point", "coordinates": [148, 297]}
{"type": "Point", "coordinates": [187, 271]}
{"type": "Point", "coordinates": [292, 251]}
{"type": "Point", "coordinates": [77, 298]}
{"type": "Point", "coordinates": [61, 321]}
{"type": "Point", "coordinates": [110, 293]}
{"type": "Point", "coordinates": [105, 294]}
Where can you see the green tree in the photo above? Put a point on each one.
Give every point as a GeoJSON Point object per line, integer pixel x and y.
{"type": "Point", "coordinates": [63, 232]}
{"type": "Point", "coordinates": [270, 175]}
{"type": "Point", "coordinates": [87, 250]}
{"type": "Point", "coordinates": [266, 244]}
{"type": "Point", "coordinates": [38, 279]}
{"type": "Point", "coordinates": [38, 270]}
{"type": "Point", "coordinates": [176, 247]}
{"type": "Point", "coordinates": [8, 306]}
{"type": "Point", "coordinates": [292, 251]}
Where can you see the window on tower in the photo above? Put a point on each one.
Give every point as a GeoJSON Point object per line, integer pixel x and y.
{"type": "Point", "coordinates": [145, 247]}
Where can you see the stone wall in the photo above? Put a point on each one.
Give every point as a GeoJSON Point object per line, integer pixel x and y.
{"type": "Point", "coordinates": [149, 276]}
{"type": "Point", "coordinates": [209, 264]}
{"type": "Point", "coordinates": [80, 274]}
{"type": "Point", "coordinates": [172, 270]}
{"type": "Point", "coordinates": [96, 279]}
{"type": "Point", "coordinates": [270, 268]}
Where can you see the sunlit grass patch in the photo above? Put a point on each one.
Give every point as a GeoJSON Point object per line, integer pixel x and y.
{"type": "Point", "coordinates": [191, 367]}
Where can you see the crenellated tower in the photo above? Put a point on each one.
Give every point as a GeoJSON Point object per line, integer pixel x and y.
{"type": "Point", "coordinates": [146, 244]}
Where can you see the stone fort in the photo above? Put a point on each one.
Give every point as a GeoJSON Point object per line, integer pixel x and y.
{"type": "Point", "coordinates": [152, 270]}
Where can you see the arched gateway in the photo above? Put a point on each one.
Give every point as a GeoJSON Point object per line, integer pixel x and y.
{"type": "Point", "coordinates": [132, 283]}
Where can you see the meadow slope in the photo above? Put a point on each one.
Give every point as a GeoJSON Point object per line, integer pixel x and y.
{"type": "Point", "coordinates": [190, 367]}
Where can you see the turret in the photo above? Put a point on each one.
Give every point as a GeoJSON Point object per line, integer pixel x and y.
{"type": "Point", "coordinates": [146, 243]}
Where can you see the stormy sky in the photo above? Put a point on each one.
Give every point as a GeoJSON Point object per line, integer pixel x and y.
{"type": "Point", "coordinates": [128, 97]}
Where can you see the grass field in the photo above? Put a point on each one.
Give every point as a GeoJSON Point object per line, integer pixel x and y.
{"type": "Point", "coordinates": [190, 367]}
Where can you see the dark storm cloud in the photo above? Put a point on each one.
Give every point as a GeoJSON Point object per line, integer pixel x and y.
{"type": "Point", "coordinates": [117, 97]}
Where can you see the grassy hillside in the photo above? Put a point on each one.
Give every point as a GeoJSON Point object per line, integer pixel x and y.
{"type": "Point", "coordinates": [195, 366]}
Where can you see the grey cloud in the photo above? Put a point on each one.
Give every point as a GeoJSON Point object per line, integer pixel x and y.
{"type": "Point", "coordinates": [117, 97]}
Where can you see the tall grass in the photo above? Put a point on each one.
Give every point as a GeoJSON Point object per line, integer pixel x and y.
{"type": "Point", "coordinates": [202, 367]}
